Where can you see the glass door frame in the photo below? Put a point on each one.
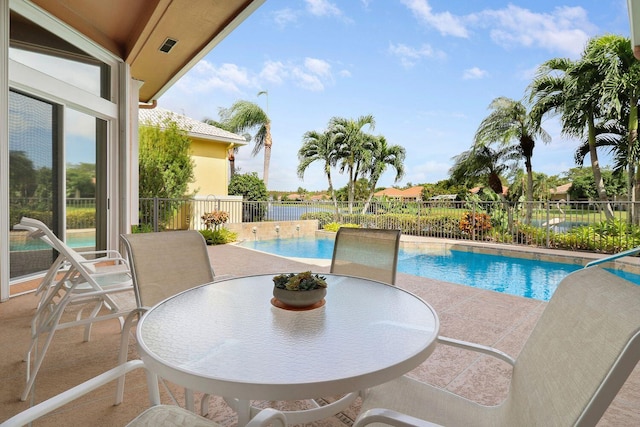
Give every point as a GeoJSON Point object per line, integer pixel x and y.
{"type": "Point", "coordinates": [42, 86]}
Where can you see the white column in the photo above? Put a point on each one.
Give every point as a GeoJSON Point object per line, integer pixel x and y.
{"type": "Point", "coordinates": [4, 150]}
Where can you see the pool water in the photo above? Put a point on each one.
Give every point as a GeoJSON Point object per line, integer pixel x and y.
{"type": "Point", "coordinates": [74, 241]}
{"type": "Point", "coordinates": [515, 276]}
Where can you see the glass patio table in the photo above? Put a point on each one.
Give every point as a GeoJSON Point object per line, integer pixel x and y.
{"type": "Point", "coordinates": [228, 339]}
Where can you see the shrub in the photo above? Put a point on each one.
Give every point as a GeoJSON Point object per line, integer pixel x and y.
{"type": "Point", "coordinates": [323, 218]}
{"type": "Point", "coordinates": [471, 223]}
{"type": "Point", "coordinates": [334, 226]}
{"type": "Point", "coordinates": [252, 189]}
{"type": "Point", "coordinates": [219, 237]}
{"type": "Point", "coordinates": [214, 218]}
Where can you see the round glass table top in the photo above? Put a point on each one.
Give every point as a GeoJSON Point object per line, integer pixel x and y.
{"type": "Point", "coordinates": [227, 338]}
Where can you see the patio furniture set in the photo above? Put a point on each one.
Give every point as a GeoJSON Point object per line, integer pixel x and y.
{"type": "Point", "coordinates": [227, 337]}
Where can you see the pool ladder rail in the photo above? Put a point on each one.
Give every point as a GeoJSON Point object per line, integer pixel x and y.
{"type": "Point", "coordinates": [613, 257]}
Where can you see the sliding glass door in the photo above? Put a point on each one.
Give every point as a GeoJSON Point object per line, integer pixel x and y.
{"type": "Point", "coordinates": [34, 177]}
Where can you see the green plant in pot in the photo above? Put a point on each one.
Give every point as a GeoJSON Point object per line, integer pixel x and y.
{"type": "Point", "coordinates": [299, 290]}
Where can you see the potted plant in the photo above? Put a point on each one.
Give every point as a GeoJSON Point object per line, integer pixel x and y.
{"type": "Point", "coordinates": [299, 290]}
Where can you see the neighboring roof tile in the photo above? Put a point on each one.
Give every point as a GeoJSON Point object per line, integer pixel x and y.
{"type": "Point", "coordinates": [192, 126]}
{"type": "Point", "coordinates": [561, 189]}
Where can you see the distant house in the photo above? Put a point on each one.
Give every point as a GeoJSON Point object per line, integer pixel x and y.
{"type": "Point", "coordinates": [475, 190]}
{"type": "Point", "coordinates": [447, 197]}
{"type": "Point", "coordinates": [409, 194]}
{"type": "Point", "coordinates": [560, 193]}
{"type": "Point", "coordinates": [209, 150]}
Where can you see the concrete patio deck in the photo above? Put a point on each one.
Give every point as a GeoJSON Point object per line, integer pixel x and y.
{"type": "Point", "coordinates": [485, 317]}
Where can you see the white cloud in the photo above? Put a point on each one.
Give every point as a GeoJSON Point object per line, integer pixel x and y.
{"type": "Point", "coordinates": [274, 72]}
{"type": "Point", "coordinates": [313, 74]}
{"type": "Point", "coordinates": [565, 29]}
{"type": "Point", "coordinates": [446, 23]}
{"type": "Point", "coordinates": [474, 73]}
{"type": "Point", "coordinates": [318, 66]}
{"type": "Point", "coordinates": [207, 76]}
{"type": "Point", "coordinates": [344, 73]}
{"type": "Point", "coordinates": [285, 16]}
{"type": "Point", "coordinates": [409, 55]}
{"type": "Point", "coordinates": [322, 8]}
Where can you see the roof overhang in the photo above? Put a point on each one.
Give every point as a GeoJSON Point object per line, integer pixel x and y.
{"type": "Point", "coordinates": [135, 30]}
{"type": "Point", "coordinates": [634, 21]}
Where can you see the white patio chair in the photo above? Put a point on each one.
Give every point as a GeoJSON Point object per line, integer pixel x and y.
{"type": "Point", "coordinates": [162, 265]}
{"type": "Point", "coordinates": [583, 348]}
{"type": "Point", "coordinates": [100, 285]}
{"type": "Point", "coordinates": [366, 252]}
{"type": "Point", "coordinates": [156, 415]}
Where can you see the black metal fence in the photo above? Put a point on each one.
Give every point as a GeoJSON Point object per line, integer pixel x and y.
{"type": "Point", "coordinates": [575, 225]}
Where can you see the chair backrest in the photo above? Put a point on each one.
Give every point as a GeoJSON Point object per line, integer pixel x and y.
{"type": "Point", "coordinates": [366, 252]}
{"type": "Point", "coordinates": [581, 351]}
{"type": "Point", "coordinates": [166, 263]}
{"type": "Point", "coordinates": [39, 229]}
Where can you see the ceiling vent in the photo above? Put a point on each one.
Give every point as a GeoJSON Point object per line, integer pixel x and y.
{"type": "Point", "coordinates": [168, 44]}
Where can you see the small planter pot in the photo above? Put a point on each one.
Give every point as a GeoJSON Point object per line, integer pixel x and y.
{"type": "Point", "coordinates": [299, 299]}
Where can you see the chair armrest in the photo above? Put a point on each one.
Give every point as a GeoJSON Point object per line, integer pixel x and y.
{"type": "Point", "coordinates": [268, 416]}
{"type": "Point", "coordinates": [49, 405]}
{"type": "Point", "coordinates": [387, 416]}
{"type": "Point", "coordinates": [478, 348]}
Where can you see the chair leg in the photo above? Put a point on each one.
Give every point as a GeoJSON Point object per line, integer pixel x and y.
{"type": "Point", "coordinates": [124, 350]}
{"type": "Point", "coordinates": [189, 402]}
{"type": "Point", "coordinates": [39, 357]}
{"type": "Point", "coordinates": [94, 313]}
{"type": "Point", "coordinates": [204, 405]}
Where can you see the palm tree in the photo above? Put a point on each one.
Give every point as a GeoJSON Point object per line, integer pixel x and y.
{"type": "Point", "coordinates": [620, 94]}
{"type": "Point", "coordinates": [318, 146]}
{"type": "Point", "coordinates": [573, 89]}
{"type": "Point", "coordinates": [483, 164]}
{"type": "Point", "coordinates": [378, 159]}
{"type": "Point", "coordinates": [510, 122]}
{"type": "Point", "coordinates": [245, 116]}
{"type": "Point", "coordinates": [352, 145]}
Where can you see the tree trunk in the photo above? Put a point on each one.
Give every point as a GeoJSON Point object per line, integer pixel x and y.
{"type": "Point", "coordinates": [351, 189]}
{"type": "Point", "coordinates": [529, 191]}
{"type": "Point", "coordinates": [368, 202]}
{"type": "Point", "coordinates": [267, 154]}
{"type": "Point", "coordinates": [597, 175]}
{"type": "Point", "coordinates": [333, 194]}
{"type": "Point", "coordinates": [232, 164]}
{"type": "Point", "coordinates": [634, 214]}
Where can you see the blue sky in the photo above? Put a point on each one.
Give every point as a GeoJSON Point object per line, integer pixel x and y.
{"type": "Point", "coordinates": [425, 69]}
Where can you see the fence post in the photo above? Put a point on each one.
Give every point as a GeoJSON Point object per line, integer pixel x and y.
{"type": "Point", "coordinates": [156, 213]}
{"type": "Point", "coordinates": [548, 225]}
{"type": "Point", "coordinates": [473, 223]}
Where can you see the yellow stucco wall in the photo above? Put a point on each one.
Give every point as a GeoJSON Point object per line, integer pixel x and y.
{"type": "Point", "coordinates": [211, 169]}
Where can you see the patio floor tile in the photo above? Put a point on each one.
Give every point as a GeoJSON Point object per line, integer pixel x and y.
{"type": "Point", "coordinates": [466, 313]}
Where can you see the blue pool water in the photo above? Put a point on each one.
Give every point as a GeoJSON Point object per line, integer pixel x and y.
{"type": "Point", "coordinates": [516, 276]}
{"type": "Point", "coordinates": [74, 241]}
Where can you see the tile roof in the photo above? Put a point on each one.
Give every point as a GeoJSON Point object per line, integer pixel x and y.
{"type": "Point", "coordinates": [561, 189]}
{"type": "Point", "coordinates": [194, 127]}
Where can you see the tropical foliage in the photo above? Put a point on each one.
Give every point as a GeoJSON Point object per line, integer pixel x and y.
{"type": "Point", "coordinates": [509, 122]}
{"type": "Point", "coordinates": [252, 189]}
{"type": "Point", "coordinates": [244, 116]}
{"type": "Point", "coordinates": [165, 164]}
{"type": "Point", "coordinates": [362, 156]}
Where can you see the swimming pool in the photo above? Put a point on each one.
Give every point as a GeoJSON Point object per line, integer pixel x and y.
{"type": "Point", "coordinates": [78, 240]}
{"type": "Point", "coordinates": [515, 276]}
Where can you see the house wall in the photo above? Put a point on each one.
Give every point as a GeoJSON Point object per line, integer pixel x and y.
{"type": "Point", "coordinates": [211, 167]}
